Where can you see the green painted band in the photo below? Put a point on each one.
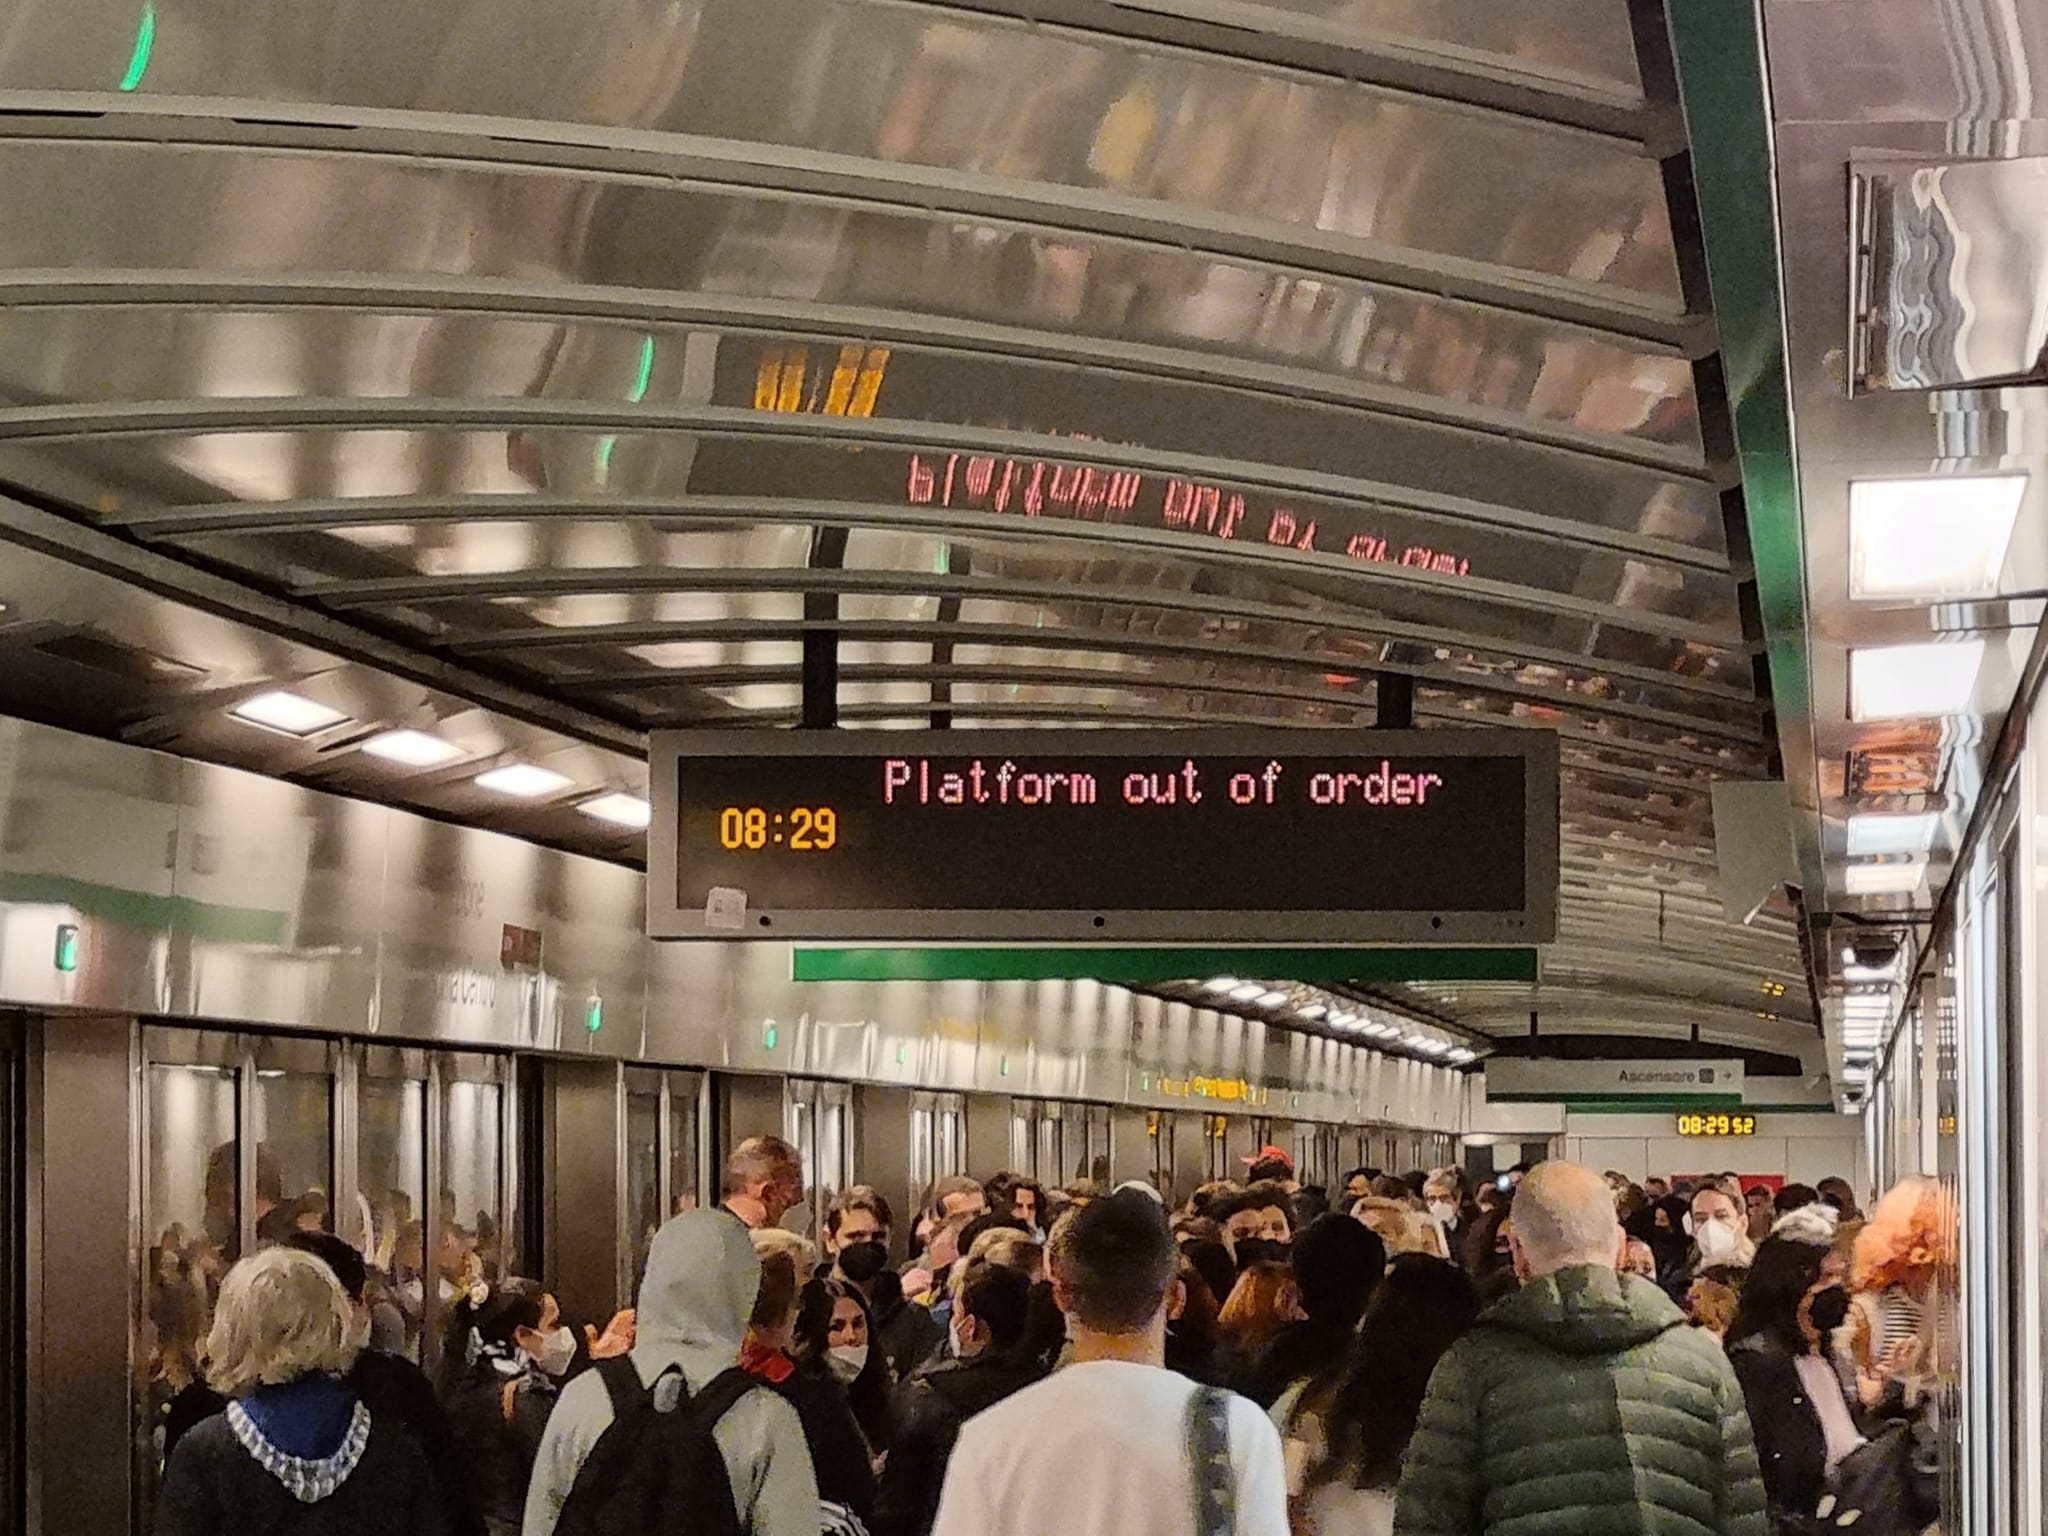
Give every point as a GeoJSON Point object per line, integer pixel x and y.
{"type": "Point", "coordinates": [1156, 964]}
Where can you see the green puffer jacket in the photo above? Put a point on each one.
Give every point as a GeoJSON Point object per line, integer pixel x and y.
{"type": "Point", "coordinates": [1582, 1405]}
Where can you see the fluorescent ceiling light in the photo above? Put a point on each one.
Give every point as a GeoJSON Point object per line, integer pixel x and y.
{"type": "Point", "coordinates": [524, 781]}
{"type": "Point", "coordinates": [1271, 999]}
{"type": "Point", "coordinates": [1905, 682]}
{"type": "Point", "coordinates": [1244, 992]}
{"type": "Point", "coordinates": [288, 714]}
{"type": "Point", "coordinates": [621, 810]}
{"type": "Point", "coordinates": [1884, 879]}
{"type": "Point", "coordinates": [1874, 836]}
{"type": "Point", "coordinates": [1941, 537]}
{"type": "Point", "coordinates": [1312, 1012]}
{"type": "Point", "coordinates": [413, 749]}
{"type": "Point", "coordinates": [1221, 984]}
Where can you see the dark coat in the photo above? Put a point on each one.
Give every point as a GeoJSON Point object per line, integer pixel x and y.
{"type": "Point", "coordinates": [1582, 1405]}
{"type": "Point", "coordinates": [839, 1451]}
{"type": "Point", "coordinates": [212, 1487]}
{"type": "Point", "coordinates": [395, 1391]}
{"type": "Point", "coordinates": [1300, 1351]}
{"type": "Point", "coordinates": [930, 1408]}
{"type": "Point", "coordinates": [1791, 1450]}
{"type": "Point", "coordinates": [497, 1450]}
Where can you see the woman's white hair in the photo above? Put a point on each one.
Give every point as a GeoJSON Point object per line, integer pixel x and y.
{"type": "Point", "coordinates": [281, 1315]}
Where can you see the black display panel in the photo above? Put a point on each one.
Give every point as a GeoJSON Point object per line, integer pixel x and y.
{"type": "Point", "coordinates": [1339, 837]}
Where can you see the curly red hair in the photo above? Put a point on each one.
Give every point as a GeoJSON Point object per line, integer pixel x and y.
{"type": "Point", "coordinates": [1908, 1237]}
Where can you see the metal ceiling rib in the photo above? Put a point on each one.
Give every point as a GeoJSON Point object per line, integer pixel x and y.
{"type": "Point", "coordinates": [1084, 364]}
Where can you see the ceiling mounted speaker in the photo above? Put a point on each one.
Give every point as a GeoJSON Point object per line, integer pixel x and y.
{"type": "Point", "coordinates": [1753, 844]}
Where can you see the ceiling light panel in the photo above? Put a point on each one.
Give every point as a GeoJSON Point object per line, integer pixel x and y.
{"type": "Point", "coordinates": [289, 714]}
{"type": "Point", "coordinates": [1884, 879]}
{"type": "Point", "coordinates": [1908, 682]}
{"type": "Point", "coordinates": [1875, 836]}
{"type": "Point", "coordinates": [523, 781]}
{"type": "Point", "coordinates": [621, 810]}
{"type": "Point", "coordinates": [1939, 538]}
{"type": "Point", "coordinates": [413, 749]}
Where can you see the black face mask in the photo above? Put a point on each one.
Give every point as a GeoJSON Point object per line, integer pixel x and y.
{"type": "Point", "coordinates": [1829, 1309]}
{"type": "Point", "coordinates": [860, 1262]}
{"type": "Point", "coordinates": [1255, 1250]}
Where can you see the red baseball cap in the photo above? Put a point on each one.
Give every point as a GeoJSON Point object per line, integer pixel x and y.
{"type": "Point", "coordinates": [1266, 1154]}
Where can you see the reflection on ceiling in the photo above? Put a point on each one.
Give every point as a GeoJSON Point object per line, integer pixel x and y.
{"type": "Point", "coordinates": [620, 370]}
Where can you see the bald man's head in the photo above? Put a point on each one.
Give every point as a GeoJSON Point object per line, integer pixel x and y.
{"type": "Point", "coordinates": [1564, 1215]}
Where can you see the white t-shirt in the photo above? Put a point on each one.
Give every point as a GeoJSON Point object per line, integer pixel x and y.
{"type": "Point", "coordinates": [1103, 1447]}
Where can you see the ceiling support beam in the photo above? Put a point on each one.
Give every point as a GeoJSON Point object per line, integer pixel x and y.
{"type": "Point", "coordinates": [820, 681]}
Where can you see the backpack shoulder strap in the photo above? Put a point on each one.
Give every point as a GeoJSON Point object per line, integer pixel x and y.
{"type": "Point", "coordinates": [1210, 1471]}
{"type": "Point", "coordinates": [622, 1385]}
{"type": "Point", "coordinates": [720, 1394]}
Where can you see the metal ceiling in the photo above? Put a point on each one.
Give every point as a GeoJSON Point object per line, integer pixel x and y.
{"type": "Point", "coordinates": [1886, 299]}
{"type": "Point", "coordinates": [709, 362]}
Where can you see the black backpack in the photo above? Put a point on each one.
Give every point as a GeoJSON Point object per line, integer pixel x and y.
{"type": "Point", "coordinates": [657, 1471]}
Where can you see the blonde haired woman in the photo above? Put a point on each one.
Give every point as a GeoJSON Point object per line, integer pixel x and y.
{"type": "Point", "coordinates": [1401, 1227]}
{"type": "Point", "coordinates": [297, 1451]}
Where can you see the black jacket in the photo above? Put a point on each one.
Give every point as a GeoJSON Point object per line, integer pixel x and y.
{"type": "Point", "coordinates": [906, 1333]}
{"type": "Point", "coordinates": [930, 1408]}
{"type": "Point", "coordinates": [497, 1450]}
{"type": "Point", "coordinates": [1300, 1351]}
{"type": "Point", "coordinates": [212, 1487]}
{"type": "Point", "coordinates": [839, 1451]}
{"type": "Point", "coordinates": [1790, 1447]}
{"type": "Point", "coordinates": [395, 1391]}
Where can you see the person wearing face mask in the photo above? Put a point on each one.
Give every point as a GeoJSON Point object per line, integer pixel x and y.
{"type": "Point", "coordinates": [1719, 1228]}
{"type": "Point", "coordinates": [839, 1452]}
{"type": "Point", "coordinates": [991, 1308]}
{"type": "Point", "coordinates": [1779, 1345]}
{"type": "Point", "coordinates": [507, 1347]}
{"type": "Point", "coordinates": [833, 1343]}
{"type": "Point", "coordinates": [388, 1384]}
{"type": "Point", "coordinates": [1444, 1195]}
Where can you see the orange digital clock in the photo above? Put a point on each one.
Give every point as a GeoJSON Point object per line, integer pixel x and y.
{"type": "Point", "coordinates": [804, 828]}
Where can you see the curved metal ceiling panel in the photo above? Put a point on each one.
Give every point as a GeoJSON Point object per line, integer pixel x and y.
{"type": "Point", "coordinates": [1206, 361]}
{"type": "Point", "coordinates": [974, 95]}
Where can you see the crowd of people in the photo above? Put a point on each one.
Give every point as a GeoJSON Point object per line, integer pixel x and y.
{"type": "Point", "coordinates": [1557, 1351]}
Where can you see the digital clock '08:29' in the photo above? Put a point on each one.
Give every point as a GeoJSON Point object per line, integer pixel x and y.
{"type": "Point", "coordinates": [804, 828]}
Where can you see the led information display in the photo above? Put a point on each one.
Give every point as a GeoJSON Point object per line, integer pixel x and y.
{"type": "Point", "coordinates": [1717, 1125]}
{"type": "Point", "coordinates": [1307, 837]}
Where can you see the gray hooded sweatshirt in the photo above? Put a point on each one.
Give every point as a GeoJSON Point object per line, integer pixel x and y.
{"type": "Point", "coordinates": [702, 1276]}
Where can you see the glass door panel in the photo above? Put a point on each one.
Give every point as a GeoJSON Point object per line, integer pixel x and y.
{"type": "Point", "coordinates": [191, 1215]}
{"type": "Point", "coordinates": [387, 1223]}
{"type": "Point", "coordinates": [684, 1183]}
{"type": "Point", "coordinates": [642, 1194]}
{"type": "Point", "coordinates": [294, 1128]}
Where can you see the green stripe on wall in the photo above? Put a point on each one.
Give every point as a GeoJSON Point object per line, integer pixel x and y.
{"type": "Point", "coordinates": [1154, 964]}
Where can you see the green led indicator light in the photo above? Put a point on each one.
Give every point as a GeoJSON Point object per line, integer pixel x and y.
{"type": "Point", "coordinates": [145, 45]}
{"type": "Point", "coordinates": [1145, 1084]}
{"type": "Point", "coordinates": [66, 955]}
{"type": "Point", "coordinates": [1005, 1069]}
{"type": "Point", "coordinates": [1297, 1101]}
{"type": "Point", "coordinates": [593, 1017]}
{"type": "Point", "coordinates": [768, 1038]}
{"type": "Point", "coordinates": [902, 1052]}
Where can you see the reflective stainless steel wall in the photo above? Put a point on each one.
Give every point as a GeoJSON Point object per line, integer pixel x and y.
{"type": "Point", "coordinates": [199, 892]}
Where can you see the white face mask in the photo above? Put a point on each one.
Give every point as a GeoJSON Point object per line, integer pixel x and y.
{"type": "Point", "coordinates": [1717, 1240]}
{"type": "Point", "coordinates": [847, 1361]}
{"type": "Point", "coordinates": [1443, 1211]}
{"type": "Point", "coordinates": [557, 1350]}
